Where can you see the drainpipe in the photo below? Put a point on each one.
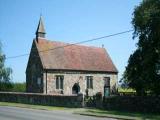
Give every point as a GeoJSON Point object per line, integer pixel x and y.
{"type": "Point", "coordinates": [46, 81]}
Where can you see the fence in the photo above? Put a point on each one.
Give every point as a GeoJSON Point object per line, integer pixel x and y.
{"type": "Point", "coordinates": [41, 99]}
{"type": "Point", "coordinates": [149, 104]}
{"type": "Point", "coordinates": [93, 101]}
{"type": "Point", "coordinates": [146, 104]}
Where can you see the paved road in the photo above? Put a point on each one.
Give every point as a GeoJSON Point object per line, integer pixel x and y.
{"type": "Point", "coordinates": [15, 113]}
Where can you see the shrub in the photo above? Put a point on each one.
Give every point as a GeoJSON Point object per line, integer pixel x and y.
{"type": "Point", "coordinates": [18, 87]}
{"type": "Point", "coordinates": [6, 86]}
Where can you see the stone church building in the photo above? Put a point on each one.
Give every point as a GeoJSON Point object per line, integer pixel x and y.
{"type": "Point", "coordinates": [61, 68]}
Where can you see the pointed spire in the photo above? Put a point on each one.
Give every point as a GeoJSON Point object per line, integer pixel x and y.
{"type": "Point", "coordinates": [40, 29]}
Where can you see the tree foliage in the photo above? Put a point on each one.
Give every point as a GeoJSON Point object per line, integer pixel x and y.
{"type": "Point", "coordinates": [18, 87]}
{"type": "Point", "coordinates": [142, 72]}
{"type": "Point", "coordinates": [5, 73]}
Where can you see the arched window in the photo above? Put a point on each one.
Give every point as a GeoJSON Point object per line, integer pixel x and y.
{"type": "Point", "coordinates": [59, 81]}
{"type": "Point", "coordinates": [89, 82]}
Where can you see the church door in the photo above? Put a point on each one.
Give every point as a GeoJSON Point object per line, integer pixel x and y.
{"type": "Point", "coordinates": [75, 88]}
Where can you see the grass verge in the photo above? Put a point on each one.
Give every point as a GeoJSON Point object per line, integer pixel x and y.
{"type": "Point", "coordinates": [39, 107]}
{"type": "Point", "coordinates": [119, 115]}
{"type": "Point", "coordinates": [90, 112]}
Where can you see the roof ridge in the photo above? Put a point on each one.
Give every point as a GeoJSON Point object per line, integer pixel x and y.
{"type": "Point", "coordinates": [81, 45]}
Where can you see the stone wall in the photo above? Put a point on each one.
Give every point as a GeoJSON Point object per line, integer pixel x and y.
{"type": "Point", "coordinates": [147, 104]}
{"type": "Point", "coordinates": [41, 99]}
{"type": "Point", "coordinates": [70, 78]}
{"type": "Point", "coordinates": [34, 71]}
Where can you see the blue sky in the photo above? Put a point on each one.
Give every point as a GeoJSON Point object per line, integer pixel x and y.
{"type": "Point", "coordinates": [67, 21]}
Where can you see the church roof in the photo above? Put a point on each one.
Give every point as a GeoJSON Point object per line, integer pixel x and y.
{"type": "Point", "coordinates": [73, 57]}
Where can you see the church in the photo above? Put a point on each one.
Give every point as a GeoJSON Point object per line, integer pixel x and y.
{"type": "Point", "coordinates": [56, 67]}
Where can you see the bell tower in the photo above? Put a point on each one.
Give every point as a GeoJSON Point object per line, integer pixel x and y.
{"type": "Point", "coordinates": [40, 29]}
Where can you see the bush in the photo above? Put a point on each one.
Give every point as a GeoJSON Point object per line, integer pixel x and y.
{"type": "Point", "coordinates": [6, 86]}
{"type": "Point", "coordinates": [18, 87]}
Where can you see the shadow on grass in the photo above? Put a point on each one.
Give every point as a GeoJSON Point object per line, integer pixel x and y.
{"type": "Point", "coordinates": [142, 116]}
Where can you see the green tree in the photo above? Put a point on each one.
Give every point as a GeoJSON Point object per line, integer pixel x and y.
{"type": "Point", "coordinates": [142, 71]}
{"type": "Point", "coordinates": [18, 87]}
{"type": "Point", "coordinates": [5, 73]}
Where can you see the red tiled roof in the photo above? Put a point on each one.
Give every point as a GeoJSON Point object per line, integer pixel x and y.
{"type": "Point", "coordinates": [74, 57]}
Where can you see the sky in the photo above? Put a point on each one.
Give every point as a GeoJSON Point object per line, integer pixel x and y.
{"type": "Point", "coordinates": [67, 21]}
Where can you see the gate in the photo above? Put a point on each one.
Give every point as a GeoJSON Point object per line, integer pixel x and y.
{"type": "Point", "coordinates": [93, 101]}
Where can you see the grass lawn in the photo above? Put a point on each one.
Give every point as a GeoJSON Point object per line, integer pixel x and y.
{"type": "Point", "coordinates": [125, 89]}
{"type": "Point", "coordinates": [119, 115]}
{"type": "Point", "coordinates": [40, 107]}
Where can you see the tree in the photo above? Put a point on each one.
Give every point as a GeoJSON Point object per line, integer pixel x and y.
{"type": "Point", "coordinates": [142, 71]}
{"type": "Point", "coordinates": [4, 73]}
{"type": "Point", "coordinates": [18, 87]}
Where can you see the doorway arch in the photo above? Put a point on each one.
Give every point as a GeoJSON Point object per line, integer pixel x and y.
{"type": "Point", "coordinates": [75, 88]}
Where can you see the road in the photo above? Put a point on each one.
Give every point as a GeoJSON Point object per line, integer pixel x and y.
{"type": "Point", "coordinates": [15, 113]}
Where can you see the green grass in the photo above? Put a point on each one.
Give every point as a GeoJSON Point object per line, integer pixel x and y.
{"type": "Point", "coordinates": [90, 112]}
{"type": "Point", "coordinates": [119, 114]}
{"type": "Point", "coordinates": [41, 107]}
{"type": "Point", "coordinates": [125, 90]}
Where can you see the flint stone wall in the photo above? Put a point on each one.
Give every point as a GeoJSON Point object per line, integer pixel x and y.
{"type": "Point", "coordinates": [41, 99]}
{"type": "Point", "coordinates": [77, 77]}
